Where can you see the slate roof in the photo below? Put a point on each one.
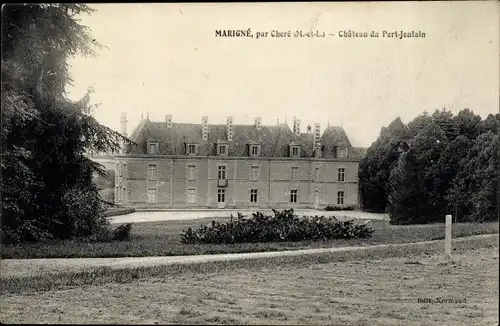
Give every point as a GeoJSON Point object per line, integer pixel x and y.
{"type": "Point", "coordinates": [274, 140]}
{"type": "Point", "coordinates": [358, 152]}
{"type": "Point", "coordinates": [332, 138]}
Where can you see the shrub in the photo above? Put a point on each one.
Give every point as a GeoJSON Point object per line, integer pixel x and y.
{"type": "Point", "coordinates": [122, 233]}
{"type": "Point", "coordinates": [339, 208]}
{"type": "Point", "coordinates": [283, 226]}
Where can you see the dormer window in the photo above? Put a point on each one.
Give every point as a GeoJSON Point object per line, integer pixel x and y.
{"type": "Point", "coordinates": [191, 149]}
{"type": "Point", "coordinates": [342, 152]}
{"type": "Point", "coordinates": [152, 147]}
{"type": "Point", "coordinates": [254, 150]}
{"type": "Point", "coordinates": [294, 150]}
{"type": "Point", "coordinates": [222, 149]}
{"type": "Point", "coordinates": [318, 151]}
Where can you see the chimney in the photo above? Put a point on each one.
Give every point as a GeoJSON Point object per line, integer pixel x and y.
{"type": "Point", "coordinates": [296, 126]}
{"type": "Point", "coordinates": [317, 132]}
{"type": "Point", "coordinates": [123, 124]}
{"type": "Point", "coordinates": [257, 122]}
{"type": "Point", "coordinates": [229, 128]}
{"type": "Point", "coordinates": [204, 127]}
{"type": "Point", "coordinates": [168, 120]}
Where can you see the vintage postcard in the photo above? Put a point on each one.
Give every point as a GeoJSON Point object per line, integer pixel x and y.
{"type": "Point", "coordinates": [251, 163]}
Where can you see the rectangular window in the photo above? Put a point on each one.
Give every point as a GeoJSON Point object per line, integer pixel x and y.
{"type": "Point", "coordinates": [341, 175]}
{"type": "Point", "coordinates": [191, 172]}
{"type": "Point", "coordinates": [221, 172]}
{"type": "Point", "coordinates": [254, 173]}
{"type": "Point", "coordinates": [222, 149]}
{"type": "Point", "coordinates": [295, 173]}
{"type": "Point", "coordinates": [255, 150]}
{"type": "Point", "coordinates": [221, 195]}
{"type": "Point", "coordinates": [191, 196]}
{"type": "Point", "coordinates": [340, 198]}
{"type": "Point", "coordinates": [317, 174]}
{"type": "Point", "coordinates": [253, 195]}
{"type": "Point", "coordinates": [152, 148]}
{"type": "Point", "coordinates": [293, 195]}
{"type": "Point", "coordinates": [152, 171]}
{"type": "Point", "coordinates": [124, 194]}
{"type": "Point", "coordinates": [151, 196]}
{"type": "Point", "coordinates": [191, 149]}
{"type": "Point", "coordinates": [295, 151]}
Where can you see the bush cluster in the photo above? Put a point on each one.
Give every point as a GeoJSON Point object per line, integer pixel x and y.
{"type": "Point", "coordinates": [119, 233]}
{"type": "Point", "coordinates": [283, 226]}
{"type": "Point", "coordinates": [338, 208]}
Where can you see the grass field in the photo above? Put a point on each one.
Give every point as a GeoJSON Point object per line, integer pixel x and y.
{"type": "Point", "coordinates": [163, 239]}
{"type": "Point", "coordinates": [364, 292]}
{"type": "Point", "coordinates": [48, 274]}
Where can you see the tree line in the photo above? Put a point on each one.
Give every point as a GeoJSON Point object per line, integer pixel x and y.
{"type": "Point", "coordinates": [435, 165]}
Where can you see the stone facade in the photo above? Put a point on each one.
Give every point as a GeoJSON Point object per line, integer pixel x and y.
{"type": "Point", "coordinates": [235, 166]}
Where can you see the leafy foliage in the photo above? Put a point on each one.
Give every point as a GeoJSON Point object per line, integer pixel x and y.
{"type": "Point", "coordinates": [407, 196]}
{"type": "Point", "coordinates": [122, 233]}
{"type": "Point", "coordinates": [47, 188]}
{"type": "Point", "coordinates": [339, 208]}
{"type": "Point", "coordinates": [474, 193]}
{"type": "Point", "coordinates": [375, 167]}
{"type": "Point", "coordinates": [449, 166]}
{"type": "Point", "coordinates": [283, 226]}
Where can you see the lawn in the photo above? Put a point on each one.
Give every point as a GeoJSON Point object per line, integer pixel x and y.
{"type": "Point", "coordinates": [163, 239]}
{"type": "Point", "coordinates": [364, 292]}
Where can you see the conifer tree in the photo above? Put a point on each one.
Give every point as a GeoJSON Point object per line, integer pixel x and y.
{"type": "Point", "coordinates": [407, 196]}
{"type": "Point", "coordinates": [47, 188]}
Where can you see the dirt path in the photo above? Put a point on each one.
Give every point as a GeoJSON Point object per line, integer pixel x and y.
{"type": "Point", "coordinates": [392, 291]}
{"type": "Point", "coordinates": [23, 267]}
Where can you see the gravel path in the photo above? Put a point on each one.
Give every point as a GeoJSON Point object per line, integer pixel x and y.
{"type": "Point", "coordinates": [153, 216]}
{"type": "Point", "coordinates": [16, 267]}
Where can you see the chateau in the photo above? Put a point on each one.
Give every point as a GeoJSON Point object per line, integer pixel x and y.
{"type": "Point", "coordinates": [183, 165]}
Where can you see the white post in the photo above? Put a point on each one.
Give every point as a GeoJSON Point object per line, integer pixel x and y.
{"type": "Point", "coordinates": [447, 238]}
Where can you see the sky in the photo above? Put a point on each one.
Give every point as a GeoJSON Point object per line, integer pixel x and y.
{"type": "Point", "coordinates": [165, 59]}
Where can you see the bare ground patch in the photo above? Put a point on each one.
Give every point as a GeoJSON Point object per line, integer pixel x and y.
{"type": "Point", "coordinates": [369, 292]}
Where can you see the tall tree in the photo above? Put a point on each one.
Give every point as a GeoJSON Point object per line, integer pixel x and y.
{"type": "Point", "coordinates": [474, 193]}
{"type": "Point", "coordinates": [375, 168]}
{"type": "Point", "coordinates": [427, 147]}
{"type": "Point", "coordinates": [44, 134]}
{"type": "Point", "coordinates": [468, 124]}
{"type": "Point", "coordinates": [419, 123]}
{"type": "Point", "coordinates": [444, 119]}
{"type": "Point", "coordinates": [491, 123]}
{"type": "Point", "coordinates": [449, 164]}
{"type": "Point", "coordinates": [407, 196]}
